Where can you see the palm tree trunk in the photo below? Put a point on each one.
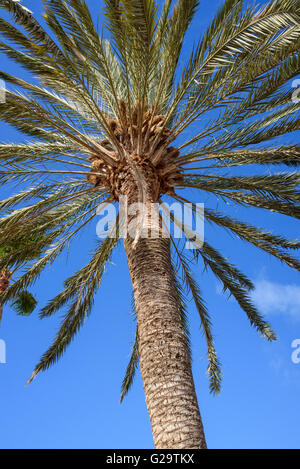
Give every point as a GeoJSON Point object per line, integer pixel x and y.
{"type": "Point", "coordinates": [164, 356]}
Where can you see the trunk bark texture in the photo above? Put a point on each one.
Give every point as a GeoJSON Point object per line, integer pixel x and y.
{"type": "Point", "coordinates": [164, 356]}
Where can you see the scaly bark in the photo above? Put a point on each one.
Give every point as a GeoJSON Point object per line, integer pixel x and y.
{"type": "Point", "coordinates": [146, 169]}
{"type": "Point", "coordinates": [164, 357]}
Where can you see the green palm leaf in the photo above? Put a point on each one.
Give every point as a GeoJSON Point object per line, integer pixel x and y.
{"type": "Point", "coordinates": [24, 303]}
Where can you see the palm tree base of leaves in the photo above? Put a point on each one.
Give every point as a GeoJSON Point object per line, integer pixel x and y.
{"type": "Point", "coordinates": [143, 143]}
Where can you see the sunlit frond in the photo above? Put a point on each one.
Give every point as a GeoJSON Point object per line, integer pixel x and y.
{"type": "Point", "coordinates": [214, 368]}
{"type": "Point", "coordinates": [233, 286]}
{"type": "Point", "coordinates": [84, 289]}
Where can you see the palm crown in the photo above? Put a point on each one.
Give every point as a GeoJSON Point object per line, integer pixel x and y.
{"type": "Point", "coordinates": [100, 109]}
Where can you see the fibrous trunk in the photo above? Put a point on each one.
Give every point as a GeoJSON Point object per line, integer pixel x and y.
{"type": "Point", "coordinates": [164, 356]}
{"type": "Point", "coordinates": [164, 353]}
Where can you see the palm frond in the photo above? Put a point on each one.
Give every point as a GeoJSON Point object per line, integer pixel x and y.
{"type": "Point", "coordinates": [174, 29]}
{"type": "Point", "coordinates": [271, 243]}
{"type": "Point", "coordinates": [82, 302]}
{"type": "Point", "coordinates": [219, 68]}
{"type": "Point", "coordinates": [23, 16]}
{"type": "Point", "coordinates": [131, 368]}
{"type": "Point", "coordinates": [239, 293]}
{"type": "Point", "coordinates": [231, 271]}
{"type": "Point", "coordinates": [277, 188]}
{"type": "Point", "coordinates": [214, 367]}
{"type": "Point", "coordinates": [24, 303]}
{"type": "Point", "coordinates": [287, 155]}
{"type": "Point", "coordinates": [58, 239]}
{"type": "Point", "coordinates": [134, 359]}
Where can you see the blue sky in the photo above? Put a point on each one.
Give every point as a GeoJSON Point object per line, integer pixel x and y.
{"type": "Point", "coordinates": [76, 403]}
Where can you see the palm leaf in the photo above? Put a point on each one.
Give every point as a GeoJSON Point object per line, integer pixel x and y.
{"type": "Point", "coordinates": [214, 368]}
{"type": "Point", "coordinates": [80, 308]}
{"type": "Point", "coordinates": [134, 359]}
{"type": "Point", "coordinates": [24, 303]}
{"type": "Point", "coordinates": [239, 293]}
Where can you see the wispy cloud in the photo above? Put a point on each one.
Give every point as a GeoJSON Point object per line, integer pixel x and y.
{"type": "Point", "coordinates": [277, 298]}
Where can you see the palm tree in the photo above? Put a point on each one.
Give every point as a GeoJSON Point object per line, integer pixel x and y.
{"type": "Point", "coordinates": [121, 117]}
{"type": "Point", "coordinates": [23, 302]}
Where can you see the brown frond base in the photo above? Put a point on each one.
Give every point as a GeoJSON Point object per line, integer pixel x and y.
{"type": "Point", "coordinates": [5, 277]}
{"type": "Point", "coordinates": [4, 280]}
{"type": "Point", "coordinates": [138, 143]}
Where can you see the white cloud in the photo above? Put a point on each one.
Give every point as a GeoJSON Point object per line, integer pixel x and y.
{"type": "Point", "coordinates": [277, 298]}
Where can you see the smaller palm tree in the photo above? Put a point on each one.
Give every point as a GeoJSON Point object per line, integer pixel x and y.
{"type": "Point", "coordinates": [23, 302]}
